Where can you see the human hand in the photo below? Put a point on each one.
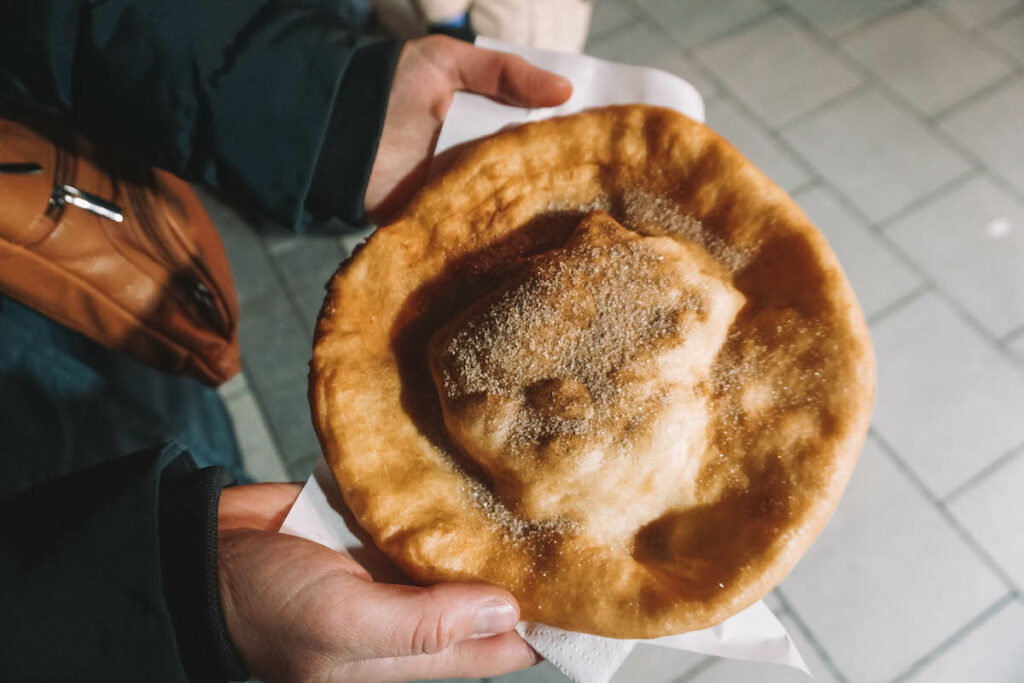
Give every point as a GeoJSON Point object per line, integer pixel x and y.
{"type": "Point", "coordinates": [429, 72]}
{"type": "Point", "coordinates": [298, 611]}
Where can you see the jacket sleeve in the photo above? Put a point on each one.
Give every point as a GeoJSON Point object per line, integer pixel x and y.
{"type": "Point", "coordinates": [110, 574]}
{"type": "Point", "coordinates": [238, 94]}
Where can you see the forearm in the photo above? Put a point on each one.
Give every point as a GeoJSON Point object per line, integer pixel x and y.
{"type": "Point", "coordinates": [233, 94]}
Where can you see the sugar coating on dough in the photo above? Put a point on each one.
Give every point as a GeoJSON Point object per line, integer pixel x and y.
{"type": "Point", "coordinates": [587, 374]}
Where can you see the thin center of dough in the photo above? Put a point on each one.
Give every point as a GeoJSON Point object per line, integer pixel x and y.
{"type": "Point", "coordinates": [581, 385]}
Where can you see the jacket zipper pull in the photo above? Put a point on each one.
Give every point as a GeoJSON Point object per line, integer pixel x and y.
{"type": "Point", "coordinates": [68, 194]}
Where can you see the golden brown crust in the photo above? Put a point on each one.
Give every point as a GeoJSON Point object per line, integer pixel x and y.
{"type": "Point", "coordinates": [787, 396]}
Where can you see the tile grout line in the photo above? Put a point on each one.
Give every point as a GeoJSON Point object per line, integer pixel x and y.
{"type": "Point", "coordinates": [1008, 13]}
{"type": "Point", "coordinates": [824, 654]}
{"type": "Point", "coordinates": [899, 303]}
{"type": "Point", "coordinates": [771, 132]}
{"type": "Point", "coordinates": [975, 36]}
{"type": "Point", "coordinates": [286, 289]}
{"type": "Point", "coordinates": [978, 166]}
{"type": "Point", "coordinates": [1011, 337]}
{"type": "Point", "coordinates": [901, 103]}
{"type": "Point", "coordinates": [813, 175]}
{"type": "Point", "coordinates": [868, 23]}
{"type": "Point", "coordinates": [651, 21]}
{"type": "Point", "coordinates": [959, 635]}
{"type": "Point", "coordinates": [275, 440]}
{"type": "Point", "coordinates": [868, 82]}
{"type": "Point", "coordinates": [965, 316]}
{"type": "Point", "coordinates": [927, 281]}
{"type": "Point", "coordinates": [978, 32]}
{"type": "Point", "coordinates": [901, 255]}
{"type": "Point", "coordinates": [948, 516]}
{"type": "Point", "coordinates": [898, 100]}
{"type": "Point", "coordinates": [969, 100]}
{"type": "Point", "coordinates": [809, 185]}
{"type": "Point", "coordinates": [966, 485]}
{"type": "Point", "coordinates": [833, 101]}
{"type": "Point", "coordinates": [282, 287]}
{"type": "Point", "coordinates": [883, 224]}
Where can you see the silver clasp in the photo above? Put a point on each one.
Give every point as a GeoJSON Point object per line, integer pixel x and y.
{"type": "Point", "coordinates": [67, 194]}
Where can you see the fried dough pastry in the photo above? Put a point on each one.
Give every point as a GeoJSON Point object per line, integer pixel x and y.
{"type": "Point", "coordinates": [603, 362]}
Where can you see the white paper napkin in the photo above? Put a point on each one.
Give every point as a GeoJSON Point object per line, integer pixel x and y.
{"type": "Point", "coordinates": [595, 83]}
{"type": "Point", "coordinates": [320, 514]}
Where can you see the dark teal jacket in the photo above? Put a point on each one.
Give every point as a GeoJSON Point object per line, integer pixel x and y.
{"type": "Point", "coordinates": [108, 573]}
{"type": "Point", "coordinates": [239, 94]}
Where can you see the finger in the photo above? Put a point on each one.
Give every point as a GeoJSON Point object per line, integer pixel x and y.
{"type": "Point", "coordinates": [256, 506]}
{"type": "Point", "coordinates": [479, 658]}
{"type": "Point", "coordinates": [403, 621]}
{"type": "Point", "coordinates": [508, 78]}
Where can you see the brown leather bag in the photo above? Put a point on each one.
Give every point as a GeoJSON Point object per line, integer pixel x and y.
{"type": "Point", "coordinates": [155, 285]}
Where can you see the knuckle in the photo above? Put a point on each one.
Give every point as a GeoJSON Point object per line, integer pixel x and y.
{"type": "Point", "coordinates": [432, 634]}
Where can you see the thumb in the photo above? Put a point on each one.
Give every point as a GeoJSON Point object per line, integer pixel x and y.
{"type": "Point", "coordinates": [409, 620]}
{"type": "Point", "coordinates": [508, 78]}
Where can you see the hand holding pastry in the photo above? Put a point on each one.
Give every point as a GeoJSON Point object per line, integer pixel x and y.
{"type": "Point", "coordinates": [298, 611]}
{"type": "Point", "coordinates": [429, 72]}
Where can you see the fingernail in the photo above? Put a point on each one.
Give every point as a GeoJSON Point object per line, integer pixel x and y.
{"type": "Point", "coordinates": [493, 617]}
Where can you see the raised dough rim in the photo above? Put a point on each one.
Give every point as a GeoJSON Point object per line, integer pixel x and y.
{"type": "Point", "coordinates": [815, 516]}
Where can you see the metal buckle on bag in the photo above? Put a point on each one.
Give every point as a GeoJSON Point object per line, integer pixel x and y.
{"type": "Point", "coordinates": [67, 194]}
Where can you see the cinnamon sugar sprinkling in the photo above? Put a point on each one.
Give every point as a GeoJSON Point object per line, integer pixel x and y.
{"type": "Point", "coordinates": [643, 209]}
{"type": "Point", "coordinates": [558, 342]}
{"type": "Point", "coordinates": [516, 528]}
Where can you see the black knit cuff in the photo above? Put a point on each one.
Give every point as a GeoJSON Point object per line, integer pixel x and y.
{"type": "Point", "coordinates": [188, 559]}
{"type": "Point", "coordinates": [350, 144]}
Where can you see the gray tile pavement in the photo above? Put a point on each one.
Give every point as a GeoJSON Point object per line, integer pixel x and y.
{"type": "Point", "coordinates": [1015, 346]}
{"type": "Point", "coordinates": [974, 13]}
{"type": "Point", "coordinates": [275, 338]}
{"type": "Point", "coordinates": [756, 143]}
{"type": "Point", "coordinates": [609, 15]}
{"type": "Point", "coordinates": [930, 62]}
{"type": "Point", "coordinates": [695, 22]}
{"type": "Point", "coordinates": [306, 263]}
{"type": "Point", "coordinates": [1008, 34]}
{"type": "Point", "coordinates": [877, 155]}
{"type": "Point", "coordinates": [835, 17]}
{"type": "Point", "coordinates": [991, 652]}
{"type": "Point", "coordinates": [878, 276]}
{"type": "Point", "coordinates": [898, 123]}
{"type": "Point", "coordinates": [970, 241]}
{"type": "Point", "coordinates": [777, 69]}
{"type": "Point", "coordinates": [948, 401]}
{"type": "Point", "coordinates": [876, 589]}
{"type": "Point", "coordinates": [647, 46]}
{"type": "Point", "coordinates": [262, 458]}
{"type": "Point", "coordinates": [991, 510]}
{"type": "Point", "coordinates": [990, 128]}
